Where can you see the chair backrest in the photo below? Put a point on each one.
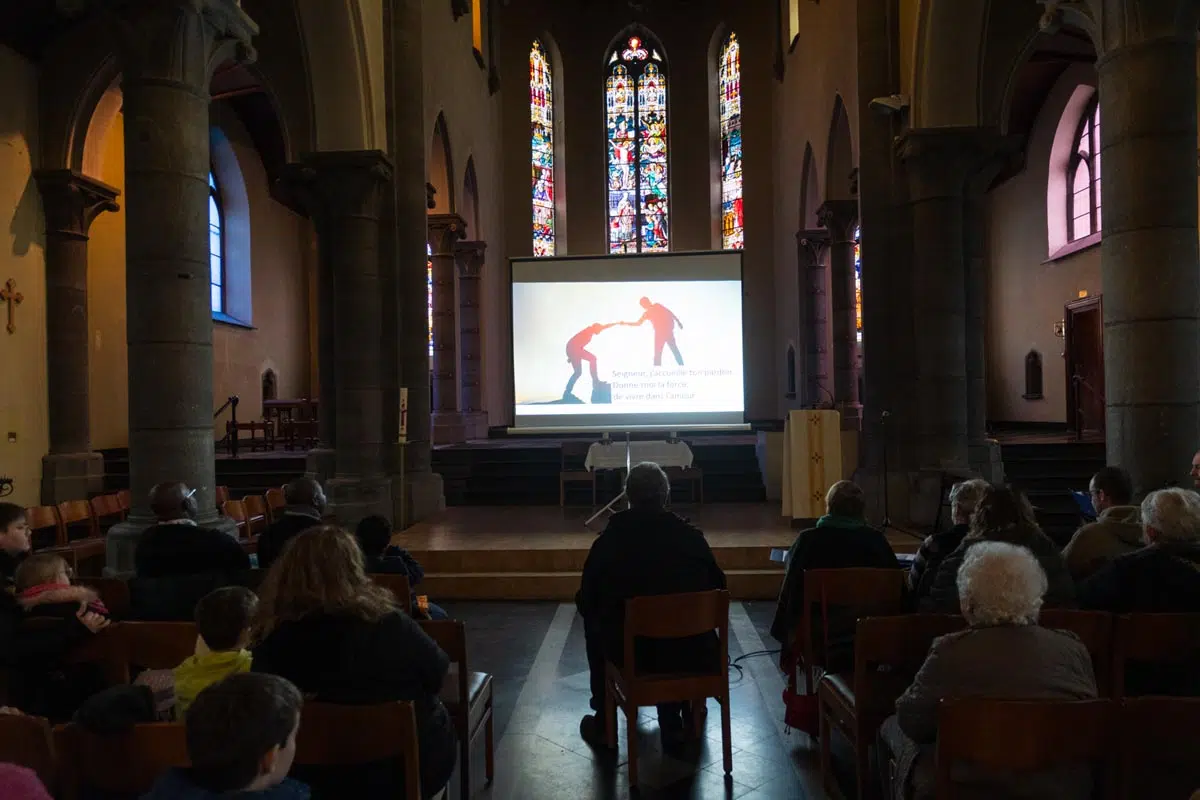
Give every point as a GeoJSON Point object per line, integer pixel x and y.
{"type": "Point", "coordinates": [125, 498]}
{"type": "Point", "coordinates": [29, 742]}
{"type": "Point", "coordinates": [153, 645]}
{"type": "Point", "coordinates": [275, 502]}
{"type": "Point", "coordinates": [398, 586]}
{"type": "Point", "coordinates": [855, 591]}
{"type": "Point", "coordinates": [221, 494]}
{"type": "Point", "coordinates": [106, 505]}
{"type": "Point", "coordinates": [1153, 639]}
{"type": "Point", "coordinates": [574, 453]}
{"type": "Point", "coordinates": [41, 518]}
{"type": "Point", "coordinates": [343, 735]}
{"type": "Point", "coordinates": [73, 512]}
{"type": "Point", "coordinates": [1095, 630]}
{"type": "Point", "coordinates": [127, 763]}
{"type": "Point", "coordinates": [1159, 738]}
{"type": "Point", "coordinates": [1015, 736]}
{"type": "Point", "coordinates": [235, 510]}
{"type": "Point", "coordinates": [898, 642]}
{"type": "Point", "coordinates": [451, 636]}
{"type": "Point", "coordinates": [114, 593]}
{"type": "Point", "coordinates": [256, 506]}
{"type": "Point", "coordinates": [675, 616]}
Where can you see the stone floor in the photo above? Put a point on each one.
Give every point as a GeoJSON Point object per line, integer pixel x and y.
{"type": "Point", "coordinates": [536, 652]}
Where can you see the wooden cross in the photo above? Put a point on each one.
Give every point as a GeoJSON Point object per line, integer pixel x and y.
{"type": "Point", "coordinates": [13, 298]}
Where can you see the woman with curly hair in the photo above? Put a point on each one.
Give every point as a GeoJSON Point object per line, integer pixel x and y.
{"type": "Point", "coordinates": [323, 624]}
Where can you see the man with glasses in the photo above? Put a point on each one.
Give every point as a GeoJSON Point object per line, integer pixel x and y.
{"type": "Point", "coordinates": [1117, 529]}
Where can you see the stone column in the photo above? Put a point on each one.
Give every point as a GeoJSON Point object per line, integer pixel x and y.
{"type": "Point", "coordinates": [469, 257]}
{"type": "Point", "coordinates": [167, 51]}
{"type": "Point", "coordinates": [70, 201]}
{"type": "Point", "coordinates": [445, 231]}
{"type": "Point", "coordinates": [838, 217]}
{"type": "Point", "coordinates": [812, 247]}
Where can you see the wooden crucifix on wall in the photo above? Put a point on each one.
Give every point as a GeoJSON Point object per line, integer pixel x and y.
{"type": "Point", "coordinates": [12, 298]}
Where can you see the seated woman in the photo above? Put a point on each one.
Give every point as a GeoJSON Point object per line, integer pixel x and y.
{"type": "Point", "coordinates": [1002, 654]}
{"type": "Point", "coordinates": [328, 628]}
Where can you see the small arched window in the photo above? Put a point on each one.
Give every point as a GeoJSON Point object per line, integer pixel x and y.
{"type": "Point", "coordinates": [216, 247]}
{"type": "Point", "coordinates": [270, 385]}
{"type": "Point", "coordinates": [1083, 178]}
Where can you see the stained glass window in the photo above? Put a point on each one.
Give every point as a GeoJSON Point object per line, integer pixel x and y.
{"type": "Point", "coordinates": [541, 112]}
{"type": "Point", "coordinates": [858, 281]}
{"type": "Point", "coordinates": [729, 81]}
{"type": "Point", "coordinates": [1083, 193]}
{"type": "Point", "coordinates": [636, 106]}
{"type": "Point", "coordinates": [216, 251]}
{"type": "Point", "coordinates": [429, 293]}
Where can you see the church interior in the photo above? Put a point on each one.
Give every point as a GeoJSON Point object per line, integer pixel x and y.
{"type": "Point", "coordinates": [937, 282]}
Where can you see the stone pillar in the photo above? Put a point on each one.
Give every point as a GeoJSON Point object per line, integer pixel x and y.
{"type": "Point", "coordinates": [445, 231]}
{"type": "Point", "coordinates": [469, 257]}
{"type": "Point", "coordinates": [812, 248]}
{"type": "Point", "coordinates": [839, 217]}
{"type": "Point", "coordinates": [321, 461]}
{"type": "Point", "coordinates": [167, 50]}
{"type": "Point", "coordinates": [70, 201]}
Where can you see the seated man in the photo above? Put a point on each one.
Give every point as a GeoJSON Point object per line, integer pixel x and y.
{"type": "Point", "coordinates": [841, 539]}
{"type": "Point", "coordinates": [1116, 531]}
{"type": "Point", "coordinates": [646, 550]}
{"type": "Point", "coordinates": [176, 545]}
{"type": "Point", "coordinates": [964, 497]}
{"type": "Point", "coordinates": [305, 505]}
{"type": "Point", "coordinates": [381, 557]}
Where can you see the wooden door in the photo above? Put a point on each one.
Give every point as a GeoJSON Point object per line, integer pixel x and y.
{"type": "Point", "coordinates": [1085, 366]}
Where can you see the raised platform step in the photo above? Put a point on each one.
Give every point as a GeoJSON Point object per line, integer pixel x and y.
{"type": "Point", "coordinates": [568, 558]}
{"type": "Point", "coordinates": [562, 586]}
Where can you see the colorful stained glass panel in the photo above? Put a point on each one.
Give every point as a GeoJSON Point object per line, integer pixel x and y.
{"type": "Point", "coordinates": [541, 112]}
{"type": "Point", "coordinates": [730, 87]}
{"type": "Point", "coordinates": [858, 281]}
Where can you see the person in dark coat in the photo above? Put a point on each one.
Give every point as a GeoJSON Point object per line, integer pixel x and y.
{"type": "Point", "coordinates": [381, 557]}
{"type": "Point", "coordinates": [842, 539]}
{"type": "Point", "coordinates": [177, 546]}
{"type": "Point", "coordinates": [646, 550]}
{"type": "Point", "coordinates": [1004, 515]}
{"type": "Point", "coordinates": [323, 624]}
{"type": "Point", "coordinates": [305, 506]}
{"type": "Point", "coordinates": [964, 497]}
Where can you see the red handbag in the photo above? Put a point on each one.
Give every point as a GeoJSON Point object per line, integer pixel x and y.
{"type": "Point", "coordinates": [801, 711]}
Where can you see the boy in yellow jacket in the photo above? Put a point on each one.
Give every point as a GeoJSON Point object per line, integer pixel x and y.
{"type": "Point", "coordinates": [223, 621]}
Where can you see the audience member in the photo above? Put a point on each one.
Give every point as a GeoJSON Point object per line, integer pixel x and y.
{"type": "Point", "coordinates": [1117, 530]}
{"type": "Point", "coordinates": [223, 622]}
{"type": "Point", "coordinates": [1196, 471]}
{"type": "Point", "coordinates": [326, 626]}
{"type": "Point", "coordinates": [1003, 515]}
{"type": "Point", "coordinates": [305, 506]}
{"type": "Point", "coordinates": [1004, 653]}
{"type": "Point", "coordinates": [177, 546]}
{"type": "Point", "coordinates": [43, 585]}
{"type": "Point", "coordinates": [21, 783]}
{"type": "Point", "coordinates": [381, 557]}
{"type": "Point", "coordinates": [646, 550]}
{"type": "Point", "coordinates": [842, 539]}
{"type": "Point", "coordinates": [241, 740]}
{"type": "Point", "coordinates": [964, 497]}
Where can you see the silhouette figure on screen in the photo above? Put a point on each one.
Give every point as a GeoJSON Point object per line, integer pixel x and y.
{"type": "Point", "coordinates": [577, 353]}
{"type": "Point", "coordinates": [663, 320]}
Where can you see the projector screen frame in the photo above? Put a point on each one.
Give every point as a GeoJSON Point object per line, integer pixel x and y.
{"type": "Point", "coordinates": [680, 424]}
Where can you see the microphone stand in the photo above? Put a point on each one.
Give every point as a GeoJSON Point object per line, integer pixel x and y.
{"type": "Point", "coordinates": [887, 517]}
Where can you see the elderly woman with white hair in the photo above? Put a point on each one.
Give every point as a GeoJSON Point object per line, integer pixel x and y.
{"type": "Point", "coordinates": [1003, 653]}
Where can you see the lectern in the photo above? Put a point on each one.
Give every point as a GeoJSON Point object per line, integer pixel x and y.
{"type": "Point", "coordinates": [812, 461]}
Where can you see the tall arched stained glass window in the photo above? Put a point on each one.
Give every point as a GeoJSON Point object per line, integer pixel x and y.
{"type": "Point", "coordinates": [858, 281]}
{"type": "Point", "coordinates": [541, 113]}
{"type": "Point", "coordinates": [216, 249]}
{"type": "Point", "coordinates": [636, 106]}
{"type": "Point", "coordinates": [429, 293]}
{"type": "Point", "coordinates": [1083, 178]}
{"type": "Point", "coordinates": [729, 82]}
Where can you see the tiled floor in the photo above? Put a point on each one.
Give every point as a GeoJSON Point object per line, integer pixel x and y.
{"type": "Point", "coordinates": [536, 653]}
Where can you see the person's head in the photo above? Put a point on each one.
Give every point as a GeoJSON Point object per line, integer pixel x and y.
{"type": "Point", "coordinates": [374, 534]}
{"type": "Point", "coordinates": [223, 617]}
{"type": "Point", "coordinates": [173, 500]}
{"type": "Point", "coordinates": [305, 492]}
{"type": "Point", "coordinates": [14, 529]}
{"type": "Point", "coordinates": [1171, 515]}
{"type": "Point", "coordinates": [1110, 487]}
{"type": "Point", "coordinates": [645, 302]}
{"type": "Point", "coordinates": [1000, 584]}
{"type": "Point", "coordinates": [647, 487]}
{"type": "Point", "coordinates": [321, 570]}
{"type": "Point", "coordinates": [1000, 511]}
{"type": "Point", "coordinates": [845, 499]}
{"type": "Point", "coordinates": [1196, 469]}
{"type": "Point", "coordinates": [40, 569]}
{"type": "Point", "coordinates": [241, 732]}
{"type": "Point", "coordinates": [965, 497]}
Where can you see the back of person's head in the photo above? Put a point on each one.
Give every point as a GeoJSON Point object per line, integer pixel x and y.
{"type": "Point", "coordinates": [374, 534]}
{"type": "Point", "coordinates": [1115, 484]}
{"type": "Point", "coordinates": [321, 570]}
{"type": "Point", "coordinates": [1003, 512]}
{"type": "Point", "coordinates": [965, 497]}
{"type": "Point", "coordinates": [10, 513]}
{"type": "Point", "coordinates": [647, 487]}
{"type": "Point", "coordinates": [305, 492]}
{"type": "Point", "coordinates": [40, 568]}
{"type": "Point", "coordinates": [223, 617]}
{"type": "Point", "coordinates": [173, 500]}
{"type": "Point", "coordinates": [1000, 584]}
{"type": "Point", "coordinates": [1171, 515]}
{"type": "Point", "coordinates": [241, 732]}
{"type": "Point", "coordinates": [845, 499]}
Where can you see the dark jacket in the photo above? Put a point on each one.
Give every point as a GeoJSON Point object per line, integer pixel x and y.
{"type": "Point", "coordinates": [395, 561]}
{"type": "Point", "coordinates": [929, 557]}
{"type": "Point", "coordinates": [176, 548]}
{"type": "Point", "coordinates": [177, 785]}
{"type": "Point", "coordinates": [295, 521]}
{"type": "Point", "coordinates": [943, 594]}
{"type": "Point", "coordinates": [344, 659]}
{"type": "Point", "coordinates": [836, 543]}
{"type": "Point", "coordinates": [174, 599]}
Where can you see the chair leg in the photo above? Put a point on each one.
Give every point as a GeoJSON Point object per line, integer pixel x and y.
{"type": "Point", "coordinates": [826, 770]}
{"type": "Point", "coordinates": [631, 717]}
{"type": "Point", "coordinates": [862, 765]}
{"type": "Point", "coordinates": [726, 735]}
{"type": "Point", "coordinates": [610, 717]}
{"type": "Point", "coordinates": [489, 743]}
{"type": "Point", "coordinates": [464, 757]}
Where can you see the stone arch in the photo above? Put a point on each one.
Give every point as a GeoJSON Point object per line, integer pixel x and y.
{"type": "Point", "coordinates": [338, 61]}
{"type": "Point", "coordinates": [441, 168]}
{"type": "Point", "coordinates": [470, 200]}
{"type": "Point", "coordinates": [810, 190]}
{"type": "Point", "coordinates": [839, 155]}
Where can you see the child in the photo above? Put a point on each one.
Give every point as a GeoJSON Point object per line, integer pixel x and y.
{"type": "Point", "coordinates": [374, 536]}
{"type": "Point", "coordinates": [44, 589]}
{"type": "Point", "coordinates": [241, 740]}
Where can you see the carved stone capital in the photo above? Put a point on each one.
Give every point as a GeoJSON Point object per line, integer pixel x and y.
{"type": "Point", "coordinates": [1113, 24]}
{"type": "Point", "coordinates": [470, 256]}
{"type": "Point", "coordinates": [838, 217]}
{"type": "Point", "coordinates": [941, 161]}
{"type": "Point", "coordinates": [445, 231]}
{"type": "Point", "coordinates": [71, 201]}
{"type": "Point", "coordinates": [813, 245]}
{"type": "Point", "coordinates": [343, 183]}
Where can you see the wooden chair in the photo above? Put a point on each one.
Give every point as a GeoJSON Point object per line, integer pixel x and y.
{"type": "Point", "coordinates": [123, 764]}
{"type": "Point", "coordinates": [276, 502]}
{"type": "Point", "coordinates": [150, 645]}
{"type": "Point", "coordinates": [1015, 736]}
{"type": "Point", "coordinates": [221, 494]}
{"type": "Point", "coordinates": [343, 735]}
{"type": "Point", "coordinates": [572, 470]}
{"type": "Point", "coordinates": [114, 593]}
{"type": "Point", "coordinates": [125, 498]}
{"type": "Point", "coordinates": [1161, 640]}
{"type": "Point", "coordinates": [1158, 739]}
{"type": "Point", "coordinates": [78, 513]}
{"type": "Point", "coordinates": [669, 616]}
{"type": "Point", "coordinates": [888, 651]}
{"type": "Point", "coordinates": [693, 476]}
{"type": "Point", "coordinates": [1095, 630]}
{"type": "Point", "coordinates": [107, 511]}
{"type": "Point", "coordinates": [29, 742]}
{"type": "Point", "coordinates": [256, 514]}
{"type": "Point", "coordinates": [236, 511]}
{"type": "Point", "coordinates": [41, 518]}
{"type": "Point", "coordinates": [398, 586]}
{"type": "Point", "coordinates": [474, 715]}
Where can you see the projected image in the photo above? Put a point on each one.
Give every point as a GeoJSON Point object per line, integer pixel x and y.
{"type": "Point", "coordinates": [632, 347]}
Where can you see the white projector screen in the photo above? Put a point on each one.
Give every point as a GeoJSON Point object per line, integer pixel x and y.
{"type": "Point", "coordinates": [620, 342]}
